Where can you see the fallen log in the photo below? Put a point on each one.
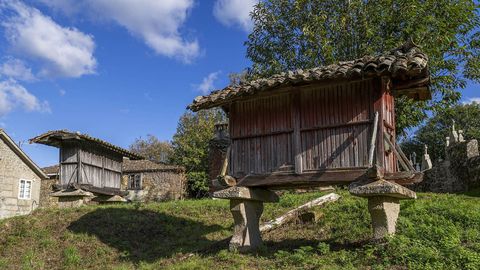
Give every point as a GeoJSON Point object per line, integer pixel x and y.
{"type": "Point", "coordinates": [267, 226]}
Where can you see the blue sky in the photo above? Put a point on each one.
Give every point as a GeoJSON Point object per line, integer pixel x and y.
{"type": "Point", "coordinates": [116, 70]}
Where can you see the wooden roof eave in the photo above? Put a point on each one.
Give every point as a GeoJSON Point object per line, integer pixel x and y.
{"type": "Point", "coordinates": [57, 139]}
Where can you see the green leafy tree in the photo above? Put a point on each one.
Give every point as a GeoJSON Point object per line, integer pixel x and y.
{"type": "Point", "coordinates": [191, 147]}
{"type": "Point", "coordinates": [152, 149]}
{"type": "Point", "coordinates": [437, 128]}
{"type": "Point", "coordinates": [292, 34]}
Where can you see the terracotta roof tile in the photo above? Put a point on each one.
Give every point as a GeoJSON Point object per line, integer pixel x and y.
{"type": "Point", "coordinates": [405, 62]}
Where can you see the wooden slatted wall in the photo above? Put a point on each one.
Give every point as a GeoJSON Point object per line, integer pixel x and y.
{"type": "Point", "coordinates": [100, 169]}
{"type": "Point", "coordinates": [336, 125]}
{"type": "Point", "coordinates": [261, 133]}
{"type": "Point", "coordinates": [68, 168]}
{"type": "Point", "coordinates": [335, 129]}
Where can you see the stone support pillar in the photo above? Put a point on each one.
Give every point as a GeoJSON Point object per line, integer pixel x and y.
{"type": "Point", "coordinates": [384, 213]}
{"type": "Point", "coordinates": [383, 204]}
{"type": "Point", "coordinates": [246, 205]}
{"type": "Point", "coordinates": [246, 231]}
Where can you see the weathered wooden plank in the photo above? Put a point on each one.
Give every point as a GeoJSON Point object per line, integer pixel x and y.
{"type": "Point", "coordinates": [310, 179]}
{"type": "Point", "coordinates": [297, 143]}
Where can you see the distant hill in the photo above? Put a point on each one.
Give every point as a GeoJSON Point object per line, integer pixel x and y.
{"type": "Point", "coordinates": [434, 232]}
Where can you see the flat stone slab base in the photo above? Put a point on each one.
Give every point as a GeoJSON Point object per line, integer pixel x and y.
{"type": "Point", "coordinates": [383, 188]}
{"type": "Point", "coordinates": [244, 193]}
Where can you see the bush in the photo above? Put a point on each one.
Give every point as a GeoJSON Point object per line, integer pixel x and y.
{"type": "Point", "coordinates": [197, 184]}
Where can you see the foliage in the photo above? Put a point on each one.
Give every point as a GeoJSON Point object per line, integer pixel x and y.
{"type": "Point", "coordinates": [237, 78]}
{"type": "Point", "coordinates": [292, 34]}
{"type": "Point", "coordinates": [431, 234]}
{"type": "Point", "coordinates": [152, 149]}
{"type": "Point", "coordinates": [191, 147]}
{"type": "Point", "coordinates": [437, 128]}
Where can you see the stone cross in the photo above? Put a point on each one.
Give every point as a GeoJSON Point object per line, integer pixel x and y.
{"type": "Point", "coordinates": [426, 162]}
{"type": "Point", "coordinates": [460, 136]}
{"type": "Point", "coordinates": [453, 134]}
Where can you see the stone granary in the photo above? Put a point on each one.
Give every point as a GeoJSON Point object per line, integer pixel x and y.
{"type": "Point", "coordinates": [145, 181]}
{"type": "Point", "coordinates": [328, 125]}
{"type": "Point", "coordinates": [20, 179]}
{"type": "Point", "coordinates": [88, 167]}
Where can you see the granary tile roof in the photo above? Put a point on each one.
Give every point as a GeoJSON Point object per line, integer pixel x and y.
{"type": "Point", "coordinates": [130, 166]}
{"type": "Point", "coordinates": [56, 137]}
{"type": "Point", "coordinates": [404, 62]}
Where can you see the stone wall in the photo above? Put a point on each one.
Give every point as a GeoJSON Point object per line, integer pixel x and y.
{"type": "Point", "coordinates": [157, 186]}
{"type": "Point", "coordinates": [46, 189]}
{"type": "Point", "coordinates": [12, 169]}
{"type": "Point", "coordinates": [459, 172]}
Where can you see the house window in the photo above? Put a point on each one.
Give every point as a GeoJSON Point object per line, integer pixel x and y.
{"type": "Point", "coordinates": [25, 190]}
{"type": "Point", "coordinates": [135, 181]}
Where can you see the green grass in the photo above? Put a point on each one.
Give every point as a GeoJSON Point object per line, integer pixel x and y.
{"type": "Point", "coordinates": [434, 232]}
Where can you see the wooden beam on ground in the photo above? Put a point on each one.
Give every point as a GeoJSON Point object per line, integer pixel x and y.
{"type": "Point", "coordinates": [267, 226]}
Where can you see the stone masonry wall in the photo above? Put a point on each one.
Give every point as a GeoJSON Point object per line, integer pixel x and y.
{"type": "Point", "coordinates": [46, 188]}
{"type": "Point", "coordinates": [12, 169]}
{"type": "Point", "coordinates": [157, 186]}
{"type": "Point", "coordinates": [458, 173]}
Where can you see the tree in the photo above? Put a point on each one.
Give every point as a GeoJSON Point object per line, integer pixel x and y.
{"type": "Point", "coordinates": [292, 34]}
{"type": "Point", "coordinates": [437, 128]}
{"type": "Point", "coordinates": [191, 147]}
{"type": "Point", "coordinates": [152, 149]}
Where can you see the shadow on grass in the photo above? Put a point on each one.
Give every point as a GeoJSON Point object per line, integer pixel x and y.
{"type": "Point", "coordinates": [144, 235]}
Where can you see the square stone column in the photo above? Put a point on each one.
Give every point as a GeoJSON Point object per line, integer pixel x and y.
{"type": "Point", "coordinates": [246, 205]}
{"type": "Point", "coordinates": [383, 204]}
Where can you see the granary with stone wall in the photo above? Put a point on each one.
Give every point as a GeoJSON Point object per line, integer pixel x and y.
{"type": "Point", "coordinates": [20, 180]}
{"type": "Point", "coordinates": [147, 181]}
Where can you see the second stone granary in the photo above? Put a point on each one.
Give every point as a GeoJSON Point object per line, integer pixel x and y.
{"type": "Point", "coordinates": [87, 163]}
{"type": "Point", "coordinates": [99, 167]}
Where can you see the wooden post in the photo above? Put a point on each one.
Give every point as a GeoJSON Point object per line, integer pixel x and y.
{"type": "Point", "coordinates": [378, 106]}
{"type": "Point", "coordinates": [372, 140]}
{"type": "Point", "coordinates": [297, 140]}
{"type": "Point", "coordinates": [79, 166]}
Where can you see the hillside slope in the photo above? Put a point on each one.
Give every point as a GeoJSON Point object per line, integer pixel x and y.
{"type": "Point", "coordinates": [434, 232]}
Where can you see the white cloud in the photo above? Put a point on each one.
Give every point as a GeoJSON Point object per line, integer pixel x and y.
{"type": "Point", "coordinates": [472, 100]}
{"type": "Point", "coordinates": [16, 68]}
{"type": "Point", "coordinates": [14, 95]}
{"type": "Point", "coordinates": [235, 12]}
{"type": "Point", "coordinates": [156, 22]}
{"type": "Point", "coordinates": [60, 51]}
{"type": "Point", "coordinates": [207, 83]}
